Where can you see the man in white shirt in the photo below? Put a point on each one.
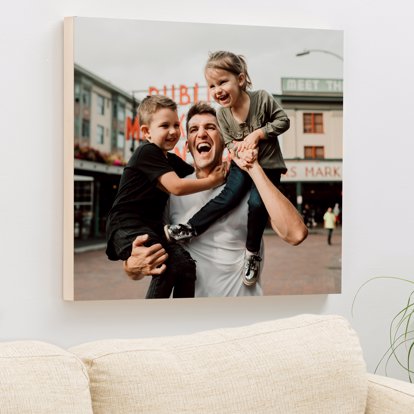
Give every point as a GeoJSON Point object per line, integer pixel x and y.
{"type": "Point", "coordinates": [219, 252]}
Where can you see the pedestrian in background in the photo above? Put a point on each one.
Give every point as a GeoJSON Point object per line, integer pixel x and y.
{"type": "Point", "coordinates": [329, 223]}
{"type": "Point", "coordinates": [337, 212]}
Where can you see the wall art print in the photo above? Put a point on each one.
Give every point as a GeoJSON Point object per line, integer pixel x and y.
{"type": "Point", "coordinates": [111, 65]}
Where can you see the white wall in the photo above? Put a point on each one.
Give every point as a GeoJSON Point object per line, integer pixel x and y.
{"type": "Point", "coordinates": [378, 171]}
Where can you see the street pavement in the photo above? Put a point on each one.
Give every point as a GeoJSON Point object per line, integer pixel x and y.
{"type": "Point", "coordinates": [313, 267]}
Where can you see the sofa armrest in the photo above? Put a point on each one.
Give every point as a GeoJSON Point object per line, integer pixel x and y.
{"type": "Point", "coordinates": [389, 396]}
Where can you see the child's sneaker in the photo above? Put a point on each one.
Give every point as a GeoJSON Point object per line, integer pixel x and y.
{"type": "Point", "coordinates": [179, 232]}
{"type": "Point", "coordinates": [251, 268]}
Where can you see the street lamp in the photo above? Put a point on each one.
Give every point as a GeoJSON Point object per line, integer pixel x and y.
{"type": "Point", "coordinates": [308, 51]}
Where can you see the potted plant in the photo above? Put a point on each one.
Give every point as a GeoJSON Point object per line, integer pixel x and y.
{"type": "Point", "coordinates": [401, 333]}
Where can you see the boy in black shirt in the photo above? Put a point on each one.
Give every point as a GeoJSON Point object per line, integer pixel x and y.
{"type": "Point", "coordinates": [150, 175]}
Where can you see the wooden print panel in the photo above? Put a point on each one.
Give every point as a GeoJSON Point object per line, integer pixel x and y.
{"type": "Point", "coordinates": [110, 65]}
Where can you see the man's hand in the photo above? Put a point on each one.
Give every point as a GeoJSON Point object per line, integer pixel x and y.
{"type": "Point", "coordinates": [250, 156]}
{"type": "Point", "coordinates": [145, 261]}
{"type": "Point", "coordinates": [244, 159]}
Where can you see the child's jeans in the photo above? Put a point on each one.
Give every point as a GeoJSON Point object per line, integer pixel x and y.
{"type": "Point", "coordinates": [180, 275]}
{"type": "Point", "coordinates": [237, 185]}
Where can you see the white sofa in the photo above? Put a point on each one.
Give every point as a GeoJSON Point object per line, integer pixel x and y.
{"type": "Point", "coordinates": [306, 364]}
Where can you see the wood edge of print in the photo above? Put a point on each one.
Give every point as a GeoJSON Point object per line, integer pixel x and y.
{"type": "Point", "coordinates": [68, 162]}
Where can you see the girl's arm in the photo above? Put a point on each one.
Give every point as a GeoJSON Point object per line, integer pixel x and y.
{"type": "Point", "coordinates": [276, 123]}
{"type": "Point", "coordinates": [223, 121]}
{"type": "Point", "coordinates": [251, 141]}
{"type": "Point", "coordinates": [277, 120]}
{"type": "Point", "coordinates": [173, 184]}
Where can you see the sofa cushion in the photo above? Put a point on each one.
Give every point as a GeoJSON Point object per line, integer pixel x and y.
{"type": "Point", "coordinates": [306, 364]}
{"type": "Point", "coordinates": [36, 377]}
{"type": "Point", "coordinates": [389, 395]}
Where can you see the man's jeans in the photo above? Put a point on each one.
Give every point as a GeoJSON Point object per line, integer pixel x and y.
{"type": "Point", "coordinates": [180, 275]}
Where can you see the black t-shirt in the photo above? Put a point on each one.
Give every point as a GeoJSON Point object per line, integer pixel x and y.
{"type": "Point", "coordinates": [139, 200]}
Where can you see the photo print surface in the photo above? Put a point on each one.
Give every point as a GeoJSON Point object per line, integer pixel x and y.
{"type": "Point", "coordinates": [112, 65]}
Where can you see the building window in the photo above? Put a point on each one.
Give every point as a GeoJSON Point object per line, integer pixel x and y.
{"type": "Point", "coordinates": [121, 113]}
{"type": "Point", "coordinates": [77, 92]}
{"type": "Point", "coordinates": [100, 105]}
{"type": "Point", "coordinates": [313, 123]}
{"type": "Point", "coordinates": [312, 153]}
{"type": "Point", "coordinates": [86, 97]}
{"type": "Point", "coordinates": [121, 140]}
{"type": "Point", "coordinates": [85, 128]}
{"type": "Point", "coordinates": [77, 127]}
{"type": "Point", "coordinates": [100, 134]}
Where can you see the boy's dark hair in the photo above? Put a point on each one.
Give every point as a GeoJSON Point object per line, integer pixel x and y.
{"type": "Point", "coordinates": [198, 109]}
{"type": "Point", "coordinates": [151, 104]}
{"type": "Point", "coordinates": [229, 62]}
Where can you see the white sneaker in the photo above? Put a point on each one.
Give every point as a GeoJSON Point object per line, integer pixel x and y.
{"type": "Point", "coordinates": [251, 269]}
{"type": "Point", "coordinates": [179, 232]}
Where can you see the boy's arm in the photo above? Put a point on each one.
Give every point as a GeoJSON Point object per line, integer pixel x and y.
{"type": "Point", "coordinates": [173, 184]}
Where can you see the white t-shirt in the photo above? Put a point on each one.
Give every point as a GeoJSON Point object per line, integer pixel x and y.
{"type": "Point", "coordinates": [219, 251]}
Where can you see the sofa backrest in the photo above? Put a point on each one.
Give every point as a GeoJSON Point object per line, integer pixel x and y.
{"type": "Point", "coordinates": [306, 364]}
{"type": "Point", "coordinates": [36, 377]}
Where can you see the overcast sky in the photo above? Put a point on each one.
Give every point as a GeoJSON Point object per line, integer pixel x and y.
{"type": "Point", "coordinates": [134, 54]}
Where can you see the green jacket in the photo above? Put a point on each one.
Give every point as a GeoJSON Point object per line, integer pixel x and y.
{"type": "Point", "coordinates": [264, 113]}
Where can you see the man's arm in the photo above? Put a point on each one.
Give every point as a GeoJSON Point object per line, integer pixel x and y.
{"type": "Point", "coordinates": [284, 218]}
{"type": "Point", "coordinates": [145, 261]}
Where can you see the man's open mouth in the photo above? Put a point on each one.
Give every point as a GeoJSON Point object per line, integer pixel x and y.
{"type": "Point", "coordinates": [203, 147]}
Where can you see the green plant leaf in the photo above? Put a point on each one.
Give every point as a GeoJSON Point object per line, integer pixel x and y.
{"type": "Point", "coordinates": [400, 334]}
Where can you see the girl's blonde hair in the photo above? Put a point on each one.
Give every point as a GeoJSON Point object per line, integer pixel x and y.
{"type": "Point", "coordinates": [230, 62]}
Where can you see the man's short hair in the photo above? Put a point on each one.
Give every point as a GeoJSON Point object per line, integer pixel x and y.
{"type": "Point", "coordinates": [152, 104]}
{"type": "Point", "coordinates": [200, 108]}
